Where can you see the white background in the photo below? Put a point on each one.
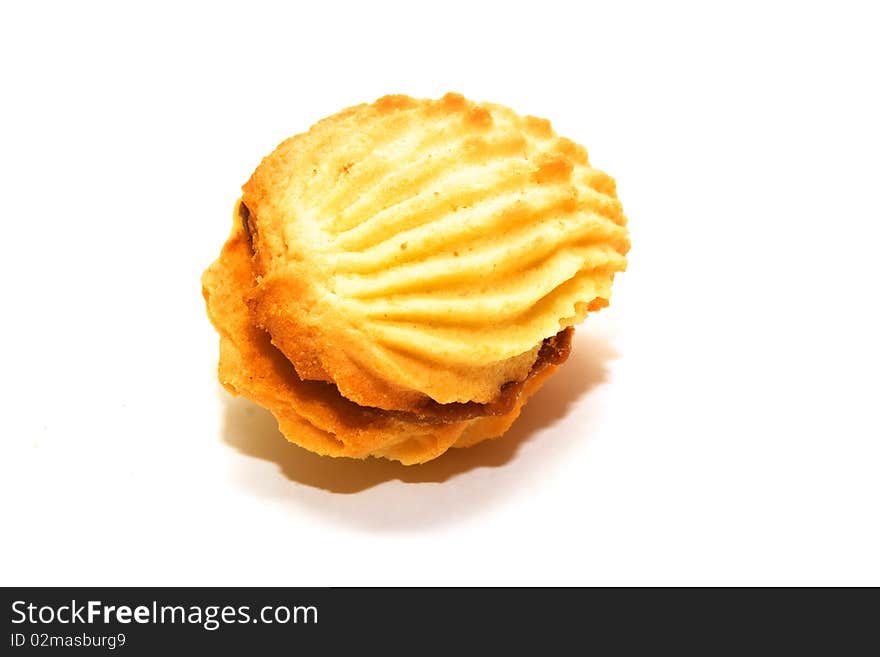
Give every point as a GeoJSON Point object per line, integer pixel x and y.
{"type": "Point", "coordinates": [718, 424]}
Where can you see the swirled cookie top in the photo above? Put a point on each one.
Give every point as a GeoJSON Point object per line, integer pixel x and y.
{"type": "Point", "coordinates": [443, 233]}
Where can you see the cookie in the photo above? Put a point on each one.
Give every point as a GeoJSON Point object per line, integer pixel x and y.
{"type": "Point", "coordinates": [397, 276]}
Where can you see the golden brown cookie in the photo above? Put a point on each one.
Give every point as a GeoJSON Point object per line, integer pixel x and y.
{"type": "Point", "coordinates": [413, 249]}
{"type": "Point", "coordinates": [402, 277]}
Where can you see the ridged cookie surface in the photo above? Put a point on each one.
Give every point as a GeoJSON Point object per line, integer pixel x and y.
{"type": "Point", "coordinates": [311, 413]}
{"type": "Point", "coordinates": [412, 250]}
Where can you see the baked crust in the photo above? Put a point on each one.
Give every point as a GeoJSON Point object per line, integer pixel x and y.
{"type": "Point", "coordinates": [313, 414]}
{"type": "Point", "coordinates": [416, 250]}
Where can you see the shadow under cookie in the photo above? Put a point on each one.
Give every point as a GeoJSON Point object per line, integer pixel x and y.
{"type": "Point", "coordinates": [254, 432]}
